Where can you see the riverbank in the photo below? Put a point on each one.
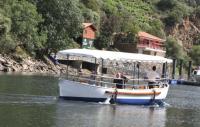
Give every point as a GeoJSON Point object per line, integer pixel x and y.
{"type": "Point", "coordinates": [30, 65]}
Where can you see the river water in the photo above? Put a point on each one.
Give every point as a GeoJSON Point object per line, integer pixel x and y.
{"type": "Point", "coordinates": [32, 101]}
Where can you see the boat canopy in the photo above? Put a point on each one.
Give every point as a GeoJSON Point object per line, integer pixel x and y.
{"type": "Point", "coordinates": [114, 55]}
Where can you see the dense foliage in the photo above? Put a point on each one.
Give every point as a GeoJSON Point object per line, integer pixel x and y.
{"type": "Point", "coordinates": [175, 51]}
{"type": "Point", "coordinates": [195, 54]}
{"type": "Point", "coordinates": [44, 26]}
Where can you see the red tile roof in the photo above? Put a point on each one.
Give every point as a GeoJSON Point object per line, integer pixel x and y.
{"type": "Point", "coordinates": [149, 36]}
{"type": "Point", "coordinates": [88, 24]}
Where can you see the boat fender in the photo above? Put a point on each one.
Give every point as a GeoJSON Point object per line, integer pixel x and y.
{"type": "Point", "coordinates": [154, 94]}
{"type": "Point", "coordinates": [154, 97]}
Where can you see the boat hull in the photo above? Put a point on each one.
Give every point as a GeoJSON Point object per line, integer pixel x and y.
{"type": "Point", "coordinates": [118, 101]}
{"type": "Point", "coordinates": [138, 101]}
{"type": "Point", "coordinates": [86, 99]}
{"type": "Point", "coordinates": [77, 91]}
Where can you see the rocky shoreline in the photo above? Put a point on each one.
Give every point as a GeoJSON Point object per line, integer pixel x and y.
{"type": "Point", "coordinates": [30, 65]}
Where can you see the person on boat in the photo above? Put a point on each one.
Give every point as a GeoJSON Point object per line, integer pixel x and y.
{"type": "Point", "coordinates": [152, 77]}
{"type": "Point", "coordinates": [120, 80]}
{"type": "Point", "coordinates": [124, 78]}
{"type": "Point", "coordinates": [92, 78]}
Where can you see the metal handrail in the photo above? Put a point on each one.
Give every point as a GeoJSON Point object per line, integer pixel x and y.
{"type": "Point", "coordinates": [98, 81]}
{"type": "Point", "coordinates": [131, 79]}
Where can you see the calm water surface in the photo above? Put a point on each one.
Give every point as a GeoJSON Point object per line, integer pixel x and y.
{"type": "Point", "coordinates": [31, 101]}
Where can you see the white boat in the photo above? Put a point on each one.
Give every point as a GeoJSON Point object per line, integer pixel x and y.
{"type": "Point", "coordinates": [107, 91]}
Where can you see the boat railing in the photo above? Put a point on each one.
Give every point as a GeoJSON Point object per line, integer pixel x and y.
{"type": "Point", "coordinates": [107, 81]}
{"type": "Point", "coordinates": [113, 77]}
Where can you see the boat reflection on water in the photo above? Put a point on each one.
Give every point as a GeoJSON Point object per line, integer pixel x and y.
{"type": "Point", "coordinates": [96, 115]}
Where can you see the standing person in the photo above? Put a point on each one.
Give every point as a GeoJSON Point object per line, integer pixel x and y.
{"type": "Point", "coordinates": [152, 77]}
{"type": "Point", "coordinates": [125, 80]}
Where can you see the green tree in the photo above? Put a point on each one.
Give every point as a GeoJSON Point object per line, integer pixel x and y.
{"type": "Point", "coordinates": [173, 49]}
{"type": "Point", "coordinates": [177, 14]}
{"type": "Point", "coordinates": [62, 22]}
{"type": "Point", "coordinates": [195, 54]}
{"type": "Point", "coordinates": [24, 22]}
{"type": "Point", "coordinates": [164, 5]}
{"type": "Point", "coordinates": [7, 44]}
{"type": "Point", "coordinates": [90, 16]}
{"type": "Point", "coordinates": [5, 24]}
{"type": "Point", "coordinates": [109, 25]}
{"type": "Point", "coordinates": [197, 11]}
{"type": "Point", "coordinates": [91, 4]}
{"type": "Point", "coordinates": [156, 28]}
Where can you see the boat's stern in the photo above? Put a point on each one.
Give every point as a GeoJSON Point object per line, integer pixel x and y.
{"type": "Point", "coordinates": [139, 96]}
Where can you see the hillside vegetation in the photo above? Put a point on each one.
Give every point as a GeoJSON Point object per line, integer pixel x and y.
{"type": "Point", "coordinates": [40, 27]}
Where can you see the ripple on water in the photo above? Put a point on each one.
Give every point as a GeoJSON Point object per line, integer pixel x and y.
{"type": "Point", "coordinates": [184, 97]}
{"type": "Point", "coordinates": [26, 99]}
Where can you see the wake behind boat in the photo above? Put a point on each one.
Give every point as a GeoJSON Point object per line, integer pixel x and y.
{"type": "Point", "coordinates": [126, 88]}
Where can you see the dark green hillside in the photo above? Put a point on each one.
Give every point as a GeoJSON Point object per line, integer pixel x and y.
{"type": "Point", "coordinates": [39, 27]}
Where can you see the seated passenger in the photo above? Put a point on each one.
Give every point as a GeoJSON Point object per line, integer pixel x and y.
{"type": "Point", "coordinates": [152, 77]}
{"type": "Point", "coordinates": [119, 81]}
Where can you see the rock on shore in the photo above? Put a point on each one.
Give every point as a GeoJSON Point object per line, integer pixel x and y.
{"type": "Point", "coordinates": [9, 64]}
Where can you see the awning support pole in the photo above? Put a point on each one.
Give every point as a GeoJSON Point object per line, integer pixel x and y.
{"type": "Point", "coordinates": [174, 69]}
{"type": "Point", "coordinates": [180, 69]}
{"type": "Point", "coordinates": [101, 70]}
{"type": "Point", "coordinates": [189, 69]}
{"type": "Point", "coordinates": [67, 64]}
{"type": "Point", "coordinates": [134, 72]}
{"type": "Point", "coordinates": [95, 68]}
{"type": "Point", "coordinates": [138, 74]}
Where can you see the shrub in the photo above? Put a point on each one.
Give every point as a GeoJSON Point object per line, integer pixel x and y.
{"type": "Point", "coordinates": [173, 49]}
{"type": "Point", "coordinates": [164, 5]}
{"type": "Point", "coordinates": [195, 54]}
